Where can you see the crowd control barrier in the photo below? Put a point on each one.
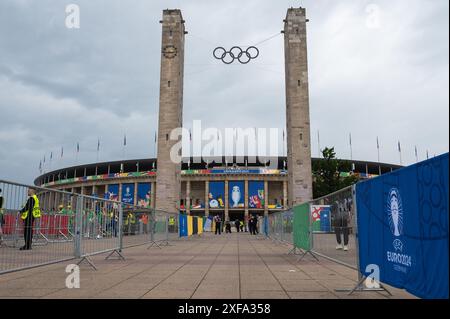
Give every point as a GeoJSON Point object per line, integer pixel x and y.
{"type": "Point", "coordinates": [74, 226]}
{"type": "Point", "coordinates": [403, 227]}
{"type": "Point", "coordinates": [392, 229]}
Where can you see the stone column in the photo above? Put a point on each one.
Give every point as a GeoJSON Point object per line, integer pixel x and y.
{"type": "Point", "coordinates": [285, 194]}
{"type": "Point", "coordinates": [206, 198]}
{"type": "Point", "coordinates": [135, 193]}
{"type": "Point", "coordinates": [246, 199]}
{"type": "Point", "coordinates": [170, 110]}
{"type": "Point", "coordinates": [266, 198]}
{"type": "Point", "coordinates": [227, 216]}
{"type": "Point", "coordinates": [297, 107]}
{"type": "Point", "coordinates": [152, 195]}
{"type": "Point", "coordinates": [187, 200]}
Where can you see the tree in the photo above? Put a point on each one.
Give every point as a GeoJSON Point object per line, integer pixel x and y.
{"type": "Point", "coordinates": [326, 174]}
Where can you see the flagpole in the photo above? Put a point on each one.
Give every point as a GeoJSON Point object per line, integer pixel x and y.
{"type": "Point", "coordinates": [351, 149]}
{"type": "Point", "coordinates": [417, 157]}
{"type": "Point", "coordinates": [400, 152]}
{"type": "Point", "coordinates": [318, 143]}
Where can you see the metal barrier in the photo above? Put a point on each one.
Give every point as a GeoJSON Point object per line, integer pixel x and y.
{"type": "Point", "coordinates": [74, 226]}
{"type": "Point", "coordinates": [331, 228]}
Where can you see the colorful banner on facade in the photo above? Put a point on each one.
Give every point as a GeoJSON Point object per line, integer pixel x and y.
{"type": "Point", "coordinates": [216, 195]}
{"type": "Point", "coordinates": [321, 218]}
{"type": "Point", "coordinates": [113, 192]}
{"type": "Point", "coordinates": [403, 221]}
{"type": "Point", "coordinates": [128, 194]}
{"type": "Point", "coordinates": [256, 196]}
{"type": "Point", "coordinates": [236, 193]}
{"type": "Point", "coordinates": [144, 194]}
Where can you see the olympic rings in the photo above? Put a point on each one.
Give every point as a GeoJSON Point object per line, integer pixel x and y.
{"type": "Point", "coordinates": [236, 53]}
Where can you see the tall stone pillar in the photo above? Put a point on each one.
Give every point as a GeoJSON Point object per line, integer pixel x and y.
{"type": "Point", "coordinates": [227, 214]}
{"type": "Point", "coordinates": [168, 189]}
{"type": "Point", "coordinates": [206, 198]}
{"type": "Point", "coordinates": [266, 198]}
{"type": "Point", "coordinates": [188, 197]}
{"type": "Point", "coordinates": [297, 108]}
{"type": "Point", "coordinates": [246, 200]}
{"type": "Point", "coordinates": [285, 194]}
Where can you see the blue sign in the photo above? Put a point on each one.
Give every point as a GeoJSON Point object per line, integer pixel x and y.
{"type": "Point", "coordinates": [128, 194]}
{"type": "Point", "coordinates": [403, 227]}
{"type": "Point", "coordinates": [113, 192]}
{"type": "Point", "coordinates": [256, 196]}
{"type": "Point", "coordinates": [236, 193]}
{"type": "Point", "coordinates": [144, 194]}
{"type": "Point", "coordinates": [216, 196]}
{"type": "Point", "coordinates": [183, 225]}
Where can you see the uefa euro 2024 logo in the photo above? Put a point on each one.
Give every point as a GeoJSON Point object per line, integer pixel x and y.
{"type": "Point", "coordinates": [395, 213]}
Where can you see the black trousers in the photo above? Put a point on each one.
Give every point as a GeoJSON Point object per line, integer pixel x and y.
{"type": "Point", "coordinates": [28, 231]}
{"type": "Point", "coordinates": [341, 227]}
{"type": "Point", "coordinates": [218, 228]}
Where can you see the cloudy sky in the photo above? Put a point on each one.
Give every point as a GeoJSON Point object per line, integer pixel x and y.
{"type": "Point", "coordinates": [377, 68]}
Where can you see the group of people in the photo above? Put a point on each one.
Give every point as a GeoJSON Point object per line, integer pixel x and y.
{"type": "Point", "coordinates": [238, 224]}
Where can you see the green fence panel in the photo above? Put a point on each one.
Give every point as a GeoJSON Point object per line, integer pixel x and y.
{"type": "Point", "coordinates": [302, 237]}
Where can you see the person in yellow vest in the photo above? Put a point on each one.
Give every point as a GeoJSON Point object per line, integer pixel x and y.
{"type": "Point", "coordinates": [29, 212]}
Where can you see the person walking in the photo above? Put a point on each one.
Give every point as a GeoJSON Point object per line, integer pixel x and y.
{"type": "Point", "coordinates": [251, 225]}
{"type": "Point", "coordinates": [218, 222]}
{"type": "Point", "coordinates": [237, 224]}
{"type": "Point", "coordinates": [29, 212]}
{"type": "Point", "coordinates": [341, 225]}
{"type": "Point", "coordinates": [228, 227]}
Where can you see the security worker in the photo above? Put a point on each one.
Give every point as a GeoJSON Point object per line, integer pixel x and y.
{"type": "Point", "coordinates": [29, 212]}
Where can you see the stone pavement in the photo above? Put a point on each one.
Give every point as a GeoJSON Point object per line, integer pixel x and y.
{"type": "Point", "coordinates": [229, 266]}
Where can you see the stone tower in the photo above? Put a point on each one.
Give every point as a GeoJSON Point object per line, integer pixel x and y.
{"type": "Point", "coordinates": [297, 108]}
{"type": "Point", "coordinates": [168, 186]}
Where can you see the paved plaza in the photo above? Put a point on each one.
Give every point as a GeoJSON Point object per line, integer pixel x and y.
{"type": "Point", "coordinates": [230, 266]}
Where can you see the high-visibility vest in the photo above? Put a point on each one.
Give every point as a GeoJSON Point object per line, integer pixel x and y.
{"type": "Point", "coordinates": [171, 221]}
{"type": "Point", "coordinates": [36, 210]}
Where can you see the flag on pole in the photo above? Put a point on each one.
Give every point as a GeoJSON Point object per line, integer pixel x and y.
{"type": "Point", "coordinates": [399, 147]}
{"type": "Point", "coordinates": [51, 155]}
{"type": "Point", "coordinates": [40, 165]}
{"type": "Point", "coordinates": [98, 145]}
{"type": "Point", "coordinates": [350, 138]}
{"type": "Point", "coordinates": [44, 159]}
{"type": "Point", "coordinates": [415, 151]}
{"type": "Point", "coordinates": [124, 140]}
{"type": "Point", "coordinates": [62, 151]}
{"type": "Point", "coordinates": [427, 156]}
{"type": "Point", "coordinates": [78, 147]}
{"type": "Point", "coordinates": [378, 143]}
{"type": "Point", "coordinates": [155, 137]}
{"type": "Point", "coordinates": [190, 135]}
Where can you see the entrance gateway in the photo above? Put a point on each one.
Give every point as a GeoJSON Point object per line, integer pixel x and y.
{"type": "Point", "coordinates": [168, 181]}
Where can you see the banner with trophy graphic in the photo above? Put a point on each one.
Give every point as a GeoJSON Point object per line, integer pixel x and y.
{"type": "Point", "coordinates": [144, 194]}
{"type": "Point", "coordinates": [403, 227]}
{"type": "Point", "coordinates": [216, 196]}
{"type": "Point", "coordinates": [128, 193]}
{"type": "Point", "coordinates": [256, 194]}
{"type": "Point", "coordinates": [113, 192]}
{"type": "Point", "coordinates": [236, 193]}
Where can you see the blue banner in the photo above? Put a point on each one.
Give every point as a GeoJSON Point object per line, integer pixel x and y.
{"type": "Point", "coordinates": [236, 193]}
{"type": "Point", "coordinates": [183, 225]}
{"type": "Point", "coordinates": [113, 192]}
{"type": "Point", "coordinates": [128, 194]}
{"type": "Point", "coordinates": [403, 227]}
{"type": "Point", "coordinates": [216, 196]}
{"type": "Point", "coordinates": [256, 194]}
{"type": "Point", "coordinates": [144, 194]}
